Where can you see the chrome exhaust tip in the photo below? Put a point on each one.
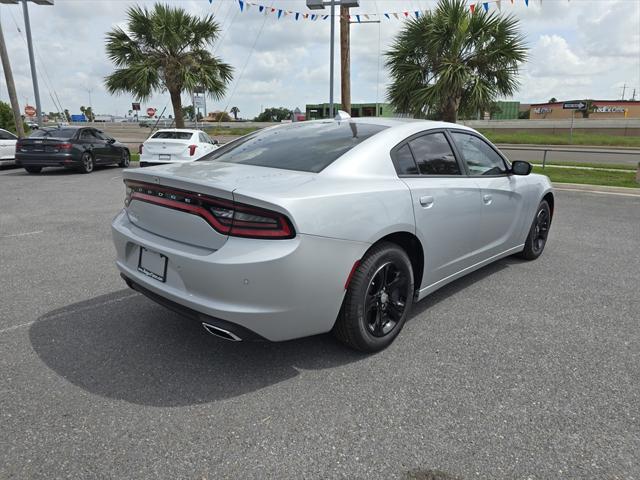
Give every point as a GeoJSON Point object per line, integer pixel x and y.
{"type": "Point", "coordinates": [220, 332]}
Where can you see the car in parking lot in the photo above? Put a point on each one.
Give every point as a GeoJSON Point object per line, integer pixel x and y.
{"type": "Point", "coordinates": [81, 148]}
{"type": "Point", "coordinates": [175, 145]}
{"type": "Point", "coordinates": [330, 225]}
{"type": "Point", "coordinates": [7, 148]}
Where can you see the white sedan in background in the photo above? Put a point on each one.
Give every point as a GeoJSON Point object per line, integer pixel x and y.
{"type": "Point", "coordinates": [7, 148]}
{"type": "Point", "coordinates": [175, 145]}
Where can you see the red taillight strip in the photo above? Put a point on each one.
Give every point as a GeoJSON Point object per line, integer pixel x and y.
{"type": "Point", "coordinates": [229, 226]}
{"type": "Point", "coordinates": [195, 209]}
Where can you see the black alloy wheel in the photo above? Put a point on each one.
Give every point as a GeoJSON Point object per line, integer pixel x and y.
{"type": "Point", "coordinates": [378, 299]}
{"type": "Point", "coordinates": [538, 233]}
{"type": "Point", "coordinates": [385, 300]}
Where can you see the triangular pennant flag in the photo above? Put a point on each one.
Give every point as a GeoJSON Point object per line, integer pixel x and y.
{"type": "Point", "coordinates": [246, 6]}
{"type": "Point", "coordinates": [395, 15]}
{"type": "Point", "coordinates": [486, 6]}
{"type": "Point", "coordinates": [366, 16]}
{"type": "Point", "coordinates": [325, 17]}
{"type": "Point", "coordinates": [297, 15]}
{"type": "Point", "coordinates": [305, 15]}
{"type": "Point", "coordinates": [273, 10]}
{"type": "Point", "coordinates": [406, 14]}
{"type": "Point", "coordinates": [260, 8]}
{"type": "Point", "coordinates": [472, 7]}
{"type": "Point", "coordinates": [241, 4]}
{"type": "Point", "coordinates": [526, 2]}
{"type": "Point", "coordinates": [358, 18]}
{"type": "Point", "coordinates": [417, 14]}
{"type": "Point", "coordinates": [499, 4]}
{"type": "Point", "coordinates": [279, 13]}
{"type": "Point", "coordinates": [387, 15]}
{"type": "Point", "coordinates": [314, 17]}
{"type": "Point", "coordinates": [210, 1]}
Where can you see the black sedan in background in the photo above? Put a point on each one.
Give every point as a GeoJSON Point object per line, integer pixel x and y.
{"type": "Point", "coordinates": [72, 147]}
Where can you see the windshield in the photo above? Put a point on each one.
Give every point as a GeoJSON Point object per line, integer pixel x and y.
{"type": "Point", "coordinates": [54, 132]}
{"type": "Point", "coordinates": [173, 135]}
{"type": "Point", "coordinates": [304, 146]}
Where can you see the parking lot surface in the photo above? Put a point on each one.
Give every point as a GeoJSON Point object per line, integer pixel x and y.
{"type": "Point", "coordinates": [522, 370]}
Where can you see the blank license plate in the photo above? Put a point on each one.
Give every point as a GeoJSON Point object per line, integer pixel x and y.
{"type": "Point", "coordinates": [164, 156]}
{"type": "Point", "coordinates": [152, 264]}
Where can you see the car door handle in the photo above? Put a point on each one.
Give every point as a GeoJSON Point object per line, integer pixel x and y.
{"type": "Point", "coordinates": [487, 199]}
{"type": "Point", "coordinates": [426, 201]}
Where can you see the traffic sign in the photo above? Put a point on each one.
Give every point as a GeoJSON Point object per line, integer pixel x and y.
{"type": "Point", "coordinates": [30, 111]}
{"type": "Point", "coordinates": [574, 106]}
{"type": "Point", "coordinates": [151, 111]}
{"type": "Point", "coordinates": [135, 106]}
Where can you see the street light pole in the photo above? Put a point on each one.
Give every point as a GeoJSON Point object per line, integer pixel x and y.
{"type": "Point", "coordinates": [34, 77]}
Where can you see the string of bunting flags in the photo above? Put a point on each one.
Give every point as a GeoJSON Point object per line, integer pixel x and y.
{"type": "Point", "coordinates": [279, 13]}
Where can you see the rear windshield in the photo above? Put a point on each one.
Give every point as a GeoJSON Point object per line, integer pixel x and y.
{"type": "Point", "coordinates": [54, 132]}
{"type": "Point", "coordinates": [305, 147]}
{"type": "Point", "coordinates": [173, 135]}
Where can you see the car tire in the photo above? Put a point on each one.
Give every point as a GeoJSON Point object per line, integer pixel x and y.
{"type": "Point", "coordinates": [538, 233]}
{"type": "Point", "coordinates": [126, 159]}
{"type": "Point", "coordinates": [378, 299]}
{"type": "Point", "coordinates": [87, 164]}
{"type": "Point", "coordinates": [33, 169]}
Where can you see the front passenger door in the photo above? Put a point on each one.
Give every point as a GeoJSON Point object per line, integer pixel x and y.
{"type": "Point", "coordinates": [502, 202]}
{"type": "Point", "coordinates": [446, 204]}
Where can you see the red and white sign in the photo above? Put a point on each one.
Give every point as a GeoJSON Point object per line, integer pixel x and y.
{"type": "Point", "coordinates": [30, 111]}
{"type": "Point", "coordinates": [151, 111]}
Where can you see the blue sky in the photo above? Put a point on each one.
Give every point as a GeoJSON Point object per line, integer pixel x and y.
{"type": "Point", "coordinates": [578, 48]}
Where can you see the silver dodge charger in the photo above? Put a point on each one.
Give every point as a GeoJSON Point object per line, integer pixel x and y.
{"type": "Point", "coordinates": [330, 225]}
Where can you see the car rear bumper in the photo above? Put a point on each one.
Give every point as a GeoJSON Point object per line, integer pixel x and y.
{"type": "Point", "coordinates": [275, 289]}
{"type": "Point", "coordinates": [46, 159]}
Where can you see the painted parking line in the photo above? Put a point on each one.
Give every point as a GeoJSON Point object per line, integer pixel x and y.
{"type": "Point", "coordinates": [21, 234]}
{"type": "Point", "coordinates": [68, 312]}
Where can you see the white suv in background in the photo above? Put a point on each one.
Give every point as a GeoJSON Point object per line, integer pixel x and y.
{"type": "Point", "coordinates": [7, 148]}
{"type": "Point", "coordinates": [175, 145]}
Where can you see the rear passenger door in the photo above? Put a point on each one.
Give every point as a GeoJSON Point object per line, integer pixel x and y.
{"type": "Point", "coordinates": [502, 200]}
{"type": "Point", "coordinates": [446, 204]}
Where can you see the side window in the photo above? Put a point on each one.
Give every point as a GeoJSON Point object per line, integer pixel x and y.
{"type": "Point", "coordinates": [203, 138]}
{"type": "Point", "coordinates": [86, 135]}
{"type": "Point", "coordinates": [6, 136]}
{"type": "Point", "coordinates": [480, 158]}
{"type": "Point", "coordinates": [404, 162]}
{"type": "Point", "coordinates": [99, 135]}
{"type": "Point", "coordinates": [433, 155]}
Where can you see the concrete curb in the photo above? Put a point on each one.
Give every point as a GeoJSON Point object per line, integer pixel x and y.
{"type": "Point", "coordinates": [579, 187]}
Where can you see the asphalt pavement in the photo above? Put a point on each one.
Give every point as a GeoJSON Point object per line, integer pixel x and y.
{"type": "Point", "coordinates": [522, 370]}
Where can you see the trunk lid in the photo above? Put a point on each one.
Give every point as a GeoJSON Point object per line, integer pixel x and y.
{"type": "Point", "coordinates": [215, 179]}
{"type": "Point", "coordinates": [166, 147]}
{"type": "Point", "coordinates": [40, 144]}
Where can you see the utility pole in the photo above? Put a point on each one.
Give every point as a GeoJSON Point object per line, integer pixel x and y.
{"type": "Point", "coordinates": [624, 89]}
{"type": "Point", "coordinates": [34, 77]}
{"type": "Point", "coordinates": [11, 86]}
{"type": "Point", "coordinates": [345, 59]}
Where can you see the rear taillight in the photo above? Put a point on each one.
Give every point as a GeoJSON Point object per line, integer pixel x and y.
{"type": "Point", "coordinates": [192, 149]}
{"type": "Point", "coordinates": [140, 149]}
{"type": "Point", "coordinates": [63, 146]}
{"type": "Point", "coordinates": [225, 216]}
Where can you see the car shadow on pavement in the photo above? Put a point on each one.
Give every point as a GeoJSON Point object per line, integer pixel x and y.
{"type": "Point", "coordinates": [57, 171]}
{"type": "Point", "coordinates": [124, 346]}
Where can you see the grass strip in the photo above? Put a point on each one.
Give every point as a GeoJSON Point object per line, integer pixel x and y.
{"type": "Point", "coordinates": [589, 177]}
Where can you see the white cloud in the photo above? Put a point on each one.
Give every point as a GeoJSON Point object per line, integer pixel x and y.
{"type": "Point", "coordinates": [578, 49]}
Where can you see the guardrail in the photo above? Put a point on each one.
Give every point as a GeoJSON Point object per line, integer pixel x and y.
{"type": "Point", "coordinates": [628, 157]}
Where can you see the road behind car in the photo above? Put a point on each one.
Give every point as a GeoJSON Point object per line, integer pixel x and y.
{"type": "Point", "coordinates": [521, 370]}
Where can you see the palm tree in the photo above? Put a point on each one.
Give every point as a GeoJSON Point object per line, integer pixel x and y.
{"type": "Point", "coordinates": [451, 59]}
{"type": "Point", "coordinates": [235, 111]}
{"type": "Point", "coordinates": [165, 49]}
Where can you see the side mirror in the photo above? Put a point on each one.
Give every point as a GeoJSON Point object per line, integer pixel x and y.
{"type": "Point", "coordinates": [111, 140]}
{"type": "Point", "coordinates": [215, 142]}
{"type": "Point", "coordinates": [520, 167]}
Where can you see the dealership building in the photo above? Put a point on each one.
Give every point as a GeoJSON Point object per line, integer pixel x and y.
{"type": "Point", "coordinates": [601, 109]}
